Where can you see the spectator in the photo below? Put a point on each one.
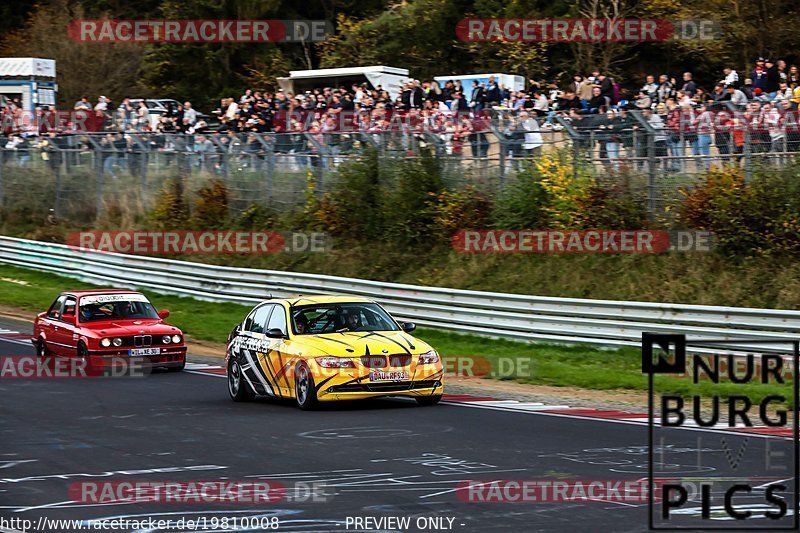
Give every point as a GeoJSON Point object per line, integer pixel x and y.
{"type": "Point", "coordinates": [189, 114]}
{"type": "Point", "coordinates": [478, 98]}
{"type": "Point", "coordinates": [748, 89]}
{"type": "Point", "coordinates": [598, 103]}
{"type": "Point", "coordinates": [82, 105]}
{"type": "Point", "coordinates": [793, 76]}
{"type": "Point", "coordinates": [606, 85]}
{"type": "Point", "coordinates": [541, 105]}
{"type": "Point", "coordinates": [782, 74]}
{"type": "Point", "coordinates": [659, 138]}
{"type": "Point", "coordinates": [459, 103]}
{"type": "Point", "coordinates": [584, 89]}
{"type": "Point", "coordinates": [773, 80]}
{"type": "Point", "coordinates": [102, 104]}
{"type": "Point", "coordinates": [493, 96]}
{"type": "Point", "coordinates": [720, 94]}
{"type": "Point", "coordinates": [731, 77]}
{"type": "Point", "coordinates": [650, 87]}
{"type": "Point", "coordinates": [702, 123]}
{"type": "Point", "coordinates": [643, 100]}
{"type": "Point", "coordinates": [665, 89]}
{"type": "Point", "coordinates": [142, 117]}
{"type": "Point", "coordinates": [784, 93]}
{"type": "Point", "coordinates": [533, 136]}
{"type": "Point", "coordinates": [689, 86]}
{"type": "Point", "coordinates": [758, 76]}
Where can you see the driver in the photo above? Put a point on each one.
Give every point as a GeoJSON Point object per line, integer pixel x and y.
{"type": "Point", "coordinates": [126, 309]}
{"type": "Point", "coordinates": [88, 312]}
{"type": "Point", "coordinates": [300, 323]}
{"type": "Point", "coordinates": [352, 320]}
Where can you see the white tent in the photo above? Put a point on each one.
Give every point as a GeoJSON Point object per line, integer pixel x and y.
{"type": "Point", "coordinates": [391, 79]}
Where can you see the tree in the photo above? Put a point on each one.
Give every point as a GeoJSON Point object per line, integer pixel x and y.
{"type": "Point", "coordinates": [84, 69]}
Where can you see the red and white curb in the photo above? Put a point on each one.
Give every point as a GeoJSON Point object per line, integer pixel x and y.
{"type": "Point", "coordinates": [604, 415]}
{"type": "Point", "coordinates": [7, 335]}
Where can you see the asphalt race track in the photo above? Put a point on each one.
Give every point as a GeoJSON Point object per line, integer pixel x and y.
{"type": "Point", "coordinates": [375, 459]}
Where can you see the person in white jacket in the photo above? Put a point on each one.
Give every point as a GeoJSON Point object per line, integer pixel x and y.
{"type": "Point", "coordinates": [533, 136]}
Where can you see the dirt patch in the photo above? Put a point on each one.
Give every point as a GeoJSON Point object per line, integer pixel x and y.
{"type": "Point", "coordinates": [15, 313]}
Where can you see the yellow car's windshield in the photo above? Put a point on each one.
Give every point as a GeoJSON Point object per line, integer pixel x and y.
{"type": "Point", "coordinates": [340, 318]}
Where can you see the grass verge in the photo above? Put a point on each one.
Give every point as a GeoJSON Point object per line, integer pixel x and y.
{"type": "Point", "coordinates": [540, 364]}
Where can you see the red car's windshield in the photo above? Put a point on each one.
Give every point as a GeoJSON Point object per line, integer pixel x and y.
{"type": "Point", "coordinates": [116, 307]}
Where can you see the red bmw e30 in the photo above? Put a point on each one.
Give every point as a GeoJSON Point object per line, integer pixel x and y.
{"type": "Point", "coordinates": [109, 323]}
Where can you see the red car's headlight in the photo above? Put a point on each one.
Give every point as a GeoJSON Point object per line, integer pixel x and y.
{"type": "Point", "coordinates": [428, 358]}
{"type": "Point", "coordinates": [335, 362]}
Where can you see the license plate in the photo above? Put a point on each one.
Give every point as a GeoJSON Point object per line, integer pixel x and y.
{"type": "Point", "coordinates": [392, 375]}
{"type": "Point", "coordinates": [144, 351]}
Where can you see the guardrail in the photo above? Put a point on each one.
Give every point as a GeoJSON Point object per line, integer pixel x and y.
{"type": "Point", "coordinates": [514, 316]}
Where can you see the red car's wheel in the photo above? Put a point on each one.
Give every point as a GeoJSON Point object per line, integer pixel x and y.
{"type": "Point", "coordinates": [41, 348]}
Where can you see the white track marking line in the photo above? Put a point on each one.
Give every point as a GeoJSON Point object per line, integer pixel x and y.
{"type": "Point", "coordinates": [537, 408]}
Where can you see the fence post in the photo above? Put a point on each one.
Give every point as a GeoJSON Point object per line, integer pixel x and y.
{"type": "Point", "coordinates": [651, 176]}
{"type": "Point", "coordinates": [56, 168]}
{"type": "Point", "coordinates": [2, 189]}
{"type": "Point", "coordinates": [748, 160]}
{"type": "Point", "coordinates": [270, 172]}
{"type": "Point", "coordinates": [143, 161]}
{"type": "Point", "coordinates": [98, 181]}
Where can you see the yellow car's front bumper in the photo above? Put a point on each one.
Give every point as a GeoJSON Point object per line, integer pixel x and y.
{"type": "Point", "coordinates": [374, 390]}
{"type": "Point", "coordinates": [356, 384]}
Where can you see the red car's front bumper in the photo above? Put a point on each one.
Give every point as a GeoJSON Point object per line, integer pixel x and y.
{"type": "Point", "coordinates": [173, 356]}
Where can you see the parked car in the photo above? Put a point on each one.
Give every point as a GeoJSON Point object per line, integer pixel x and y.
{"type": "Point", "coordinates": [157, 106]}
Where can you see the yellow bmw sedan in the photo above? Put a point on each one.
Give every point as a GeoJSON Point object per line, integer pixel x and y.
{"type": "Point", "coordinates": [327, 348]}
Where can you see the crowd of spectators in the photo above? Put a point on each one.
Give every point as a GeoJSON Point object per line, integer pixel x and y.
{"type": "Point", "coordinates": [680, 115]}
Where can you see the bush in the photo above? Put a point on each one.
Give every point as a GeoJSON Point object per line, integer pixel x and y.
{"type": "Point", "coordinates": [462, 209]}
{"type": "Point", "coordinates": [352, 210]}
{"type": "Point", "coordinates": [759, 217]}
{"type": "Point", "coordinates": [611, 207]}
{"type": "Point", "coordinates": [256, 217]}
{"type": "Point", "coordinates": [211, 207]}
{"type": "Point", "coordinates": [170, 210]}
{"type": "Point", "coordinates": [408, 204]}
{"type": "Point", "coordinates": [523, 203]}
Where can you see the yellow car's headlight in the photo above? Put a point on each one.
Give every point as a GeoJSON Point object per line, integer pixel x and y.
{"type": "Point", "coordinates": [335, 362]}
{"type": "Point", "coordinates": [428, 358]}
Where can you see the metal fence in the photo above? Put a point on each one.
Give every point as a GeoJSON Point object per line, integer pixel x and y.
{"type": "Point", "coordinates": [514, 316]}
{"type": "Point", "coordinates": [79, 176]}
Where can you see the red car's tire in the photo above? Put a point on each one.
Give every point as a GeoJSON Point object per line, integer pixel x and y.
{"type": "Point", "coordinates": [41, 348]}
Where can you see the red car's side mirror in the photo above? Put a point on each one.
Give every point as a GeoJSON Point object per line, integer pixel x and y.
{"type": "Point", "coordinates": [163, 314]}
{"type": "Point", "coordinates": [69, 318]}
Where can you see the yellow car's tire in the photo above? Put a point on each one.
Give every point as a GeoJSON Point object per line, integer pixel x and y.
{"type": "Point", "coordinates": [305, 392]}
{"type": "Point", "coordinates": [237, 385]}
{"type": "Point", "coordinates": [429, 400]}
